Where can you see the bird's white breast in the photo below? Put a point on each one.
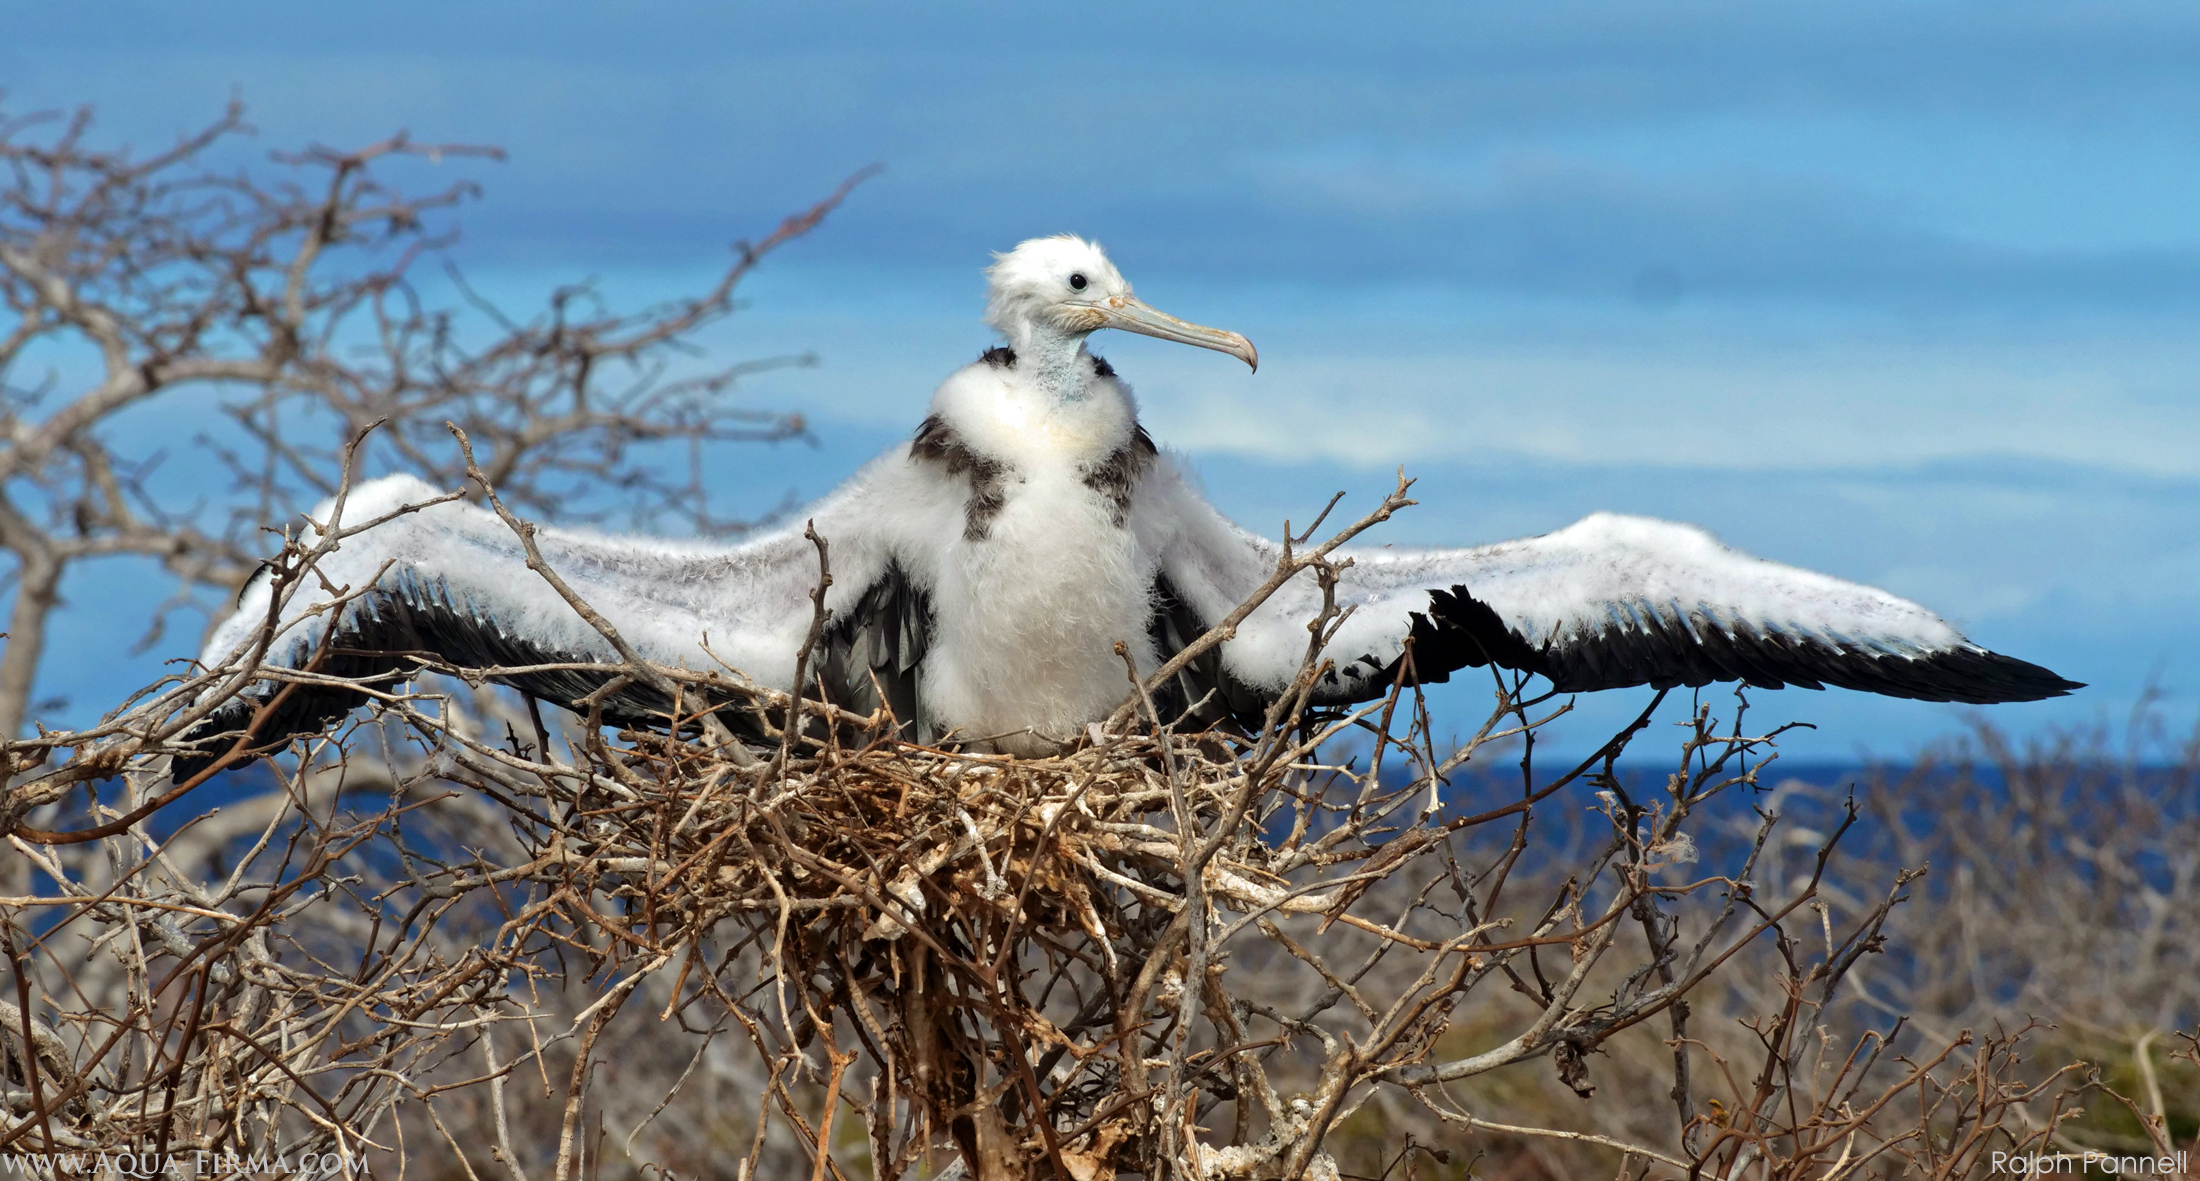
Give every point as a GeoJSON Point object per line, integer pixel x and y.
{"type": "Point", "coordinates": [1027, 617]}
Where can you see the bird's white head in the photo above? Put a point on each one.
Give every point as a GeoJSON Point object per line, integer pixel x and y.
{"type": "Point", "coordinates": [1053, 292]}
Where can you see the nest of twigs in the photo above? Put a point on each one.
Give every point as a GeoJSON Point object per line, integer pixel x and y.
{"type": "Point", "coordinates": [869, 843]}
{"type": "Point", "coordinates": [907, 893]}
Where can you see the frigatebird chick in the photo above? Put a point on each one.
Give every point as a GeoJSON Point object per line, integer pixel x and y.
{"type": "Point", "coordinates": [985, 571]}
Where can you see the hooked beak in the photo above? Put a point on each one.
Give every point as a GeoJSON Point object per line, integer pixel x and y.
{"type": "Point", "coordinates": [1132, 314]}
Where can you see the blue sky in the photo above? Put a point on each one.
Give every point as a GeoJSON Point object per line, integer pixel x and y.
{"type": "Point", "coordinates": [1901, 291]}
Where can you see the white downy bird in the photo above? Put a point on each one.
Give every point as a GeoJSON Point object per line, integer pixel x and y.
{"type": "Point", "coordinates": [984, 572]}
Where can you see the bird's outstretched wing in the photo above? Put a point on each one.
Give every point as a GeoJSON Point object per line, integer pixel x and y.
{"type": "Point", "coordinates": [1607, 602]}
{"type": "Point", "coordinates": [450, 583]}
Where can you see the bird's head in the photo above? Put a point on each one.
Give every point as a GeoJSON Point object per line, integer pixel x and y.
{"type": "Point", "coordinates": [1065, 287]}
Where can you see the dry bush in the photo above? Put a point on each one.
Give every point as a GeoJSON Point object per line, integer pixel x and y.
{"type": "Point", "coordinates": [460, 938]}
{"type": "Point", "coordinates": [133, 280]}
{"type": "Point", "coordinates": [1163, 953]}
{"type": "Point", "coordinates": [2065, 889]}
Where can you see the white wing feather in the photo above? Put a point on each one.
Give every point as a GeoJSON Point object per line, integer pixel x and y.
{"type": "Point", "coordinates": [750, 600]}
{"type": "Point", "coordinates": [1596, 603]}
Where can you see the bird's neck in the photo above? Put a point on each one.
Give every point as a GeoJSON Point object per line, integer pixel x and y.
{"type": "Point", "coordinates": [1061, 416]}
{"type": "Point", "coordinates": [1055, 362]}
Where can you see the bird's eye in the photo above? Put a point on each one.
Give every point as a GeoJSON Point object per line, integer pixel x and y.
{"type": "Point", "coordinates": [1077, 282]}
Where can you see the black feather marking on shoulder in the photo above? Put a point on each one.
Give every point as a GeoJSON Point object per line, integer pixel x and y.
{"type": "Point", "coordinates": [1000, 356]}
{"type": "Point", "coordinates": [1101, 368]}
{"type": "Point", "coordinates": [1116, 477]}
{"type": "Point", "coordinates": [937, 442]}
